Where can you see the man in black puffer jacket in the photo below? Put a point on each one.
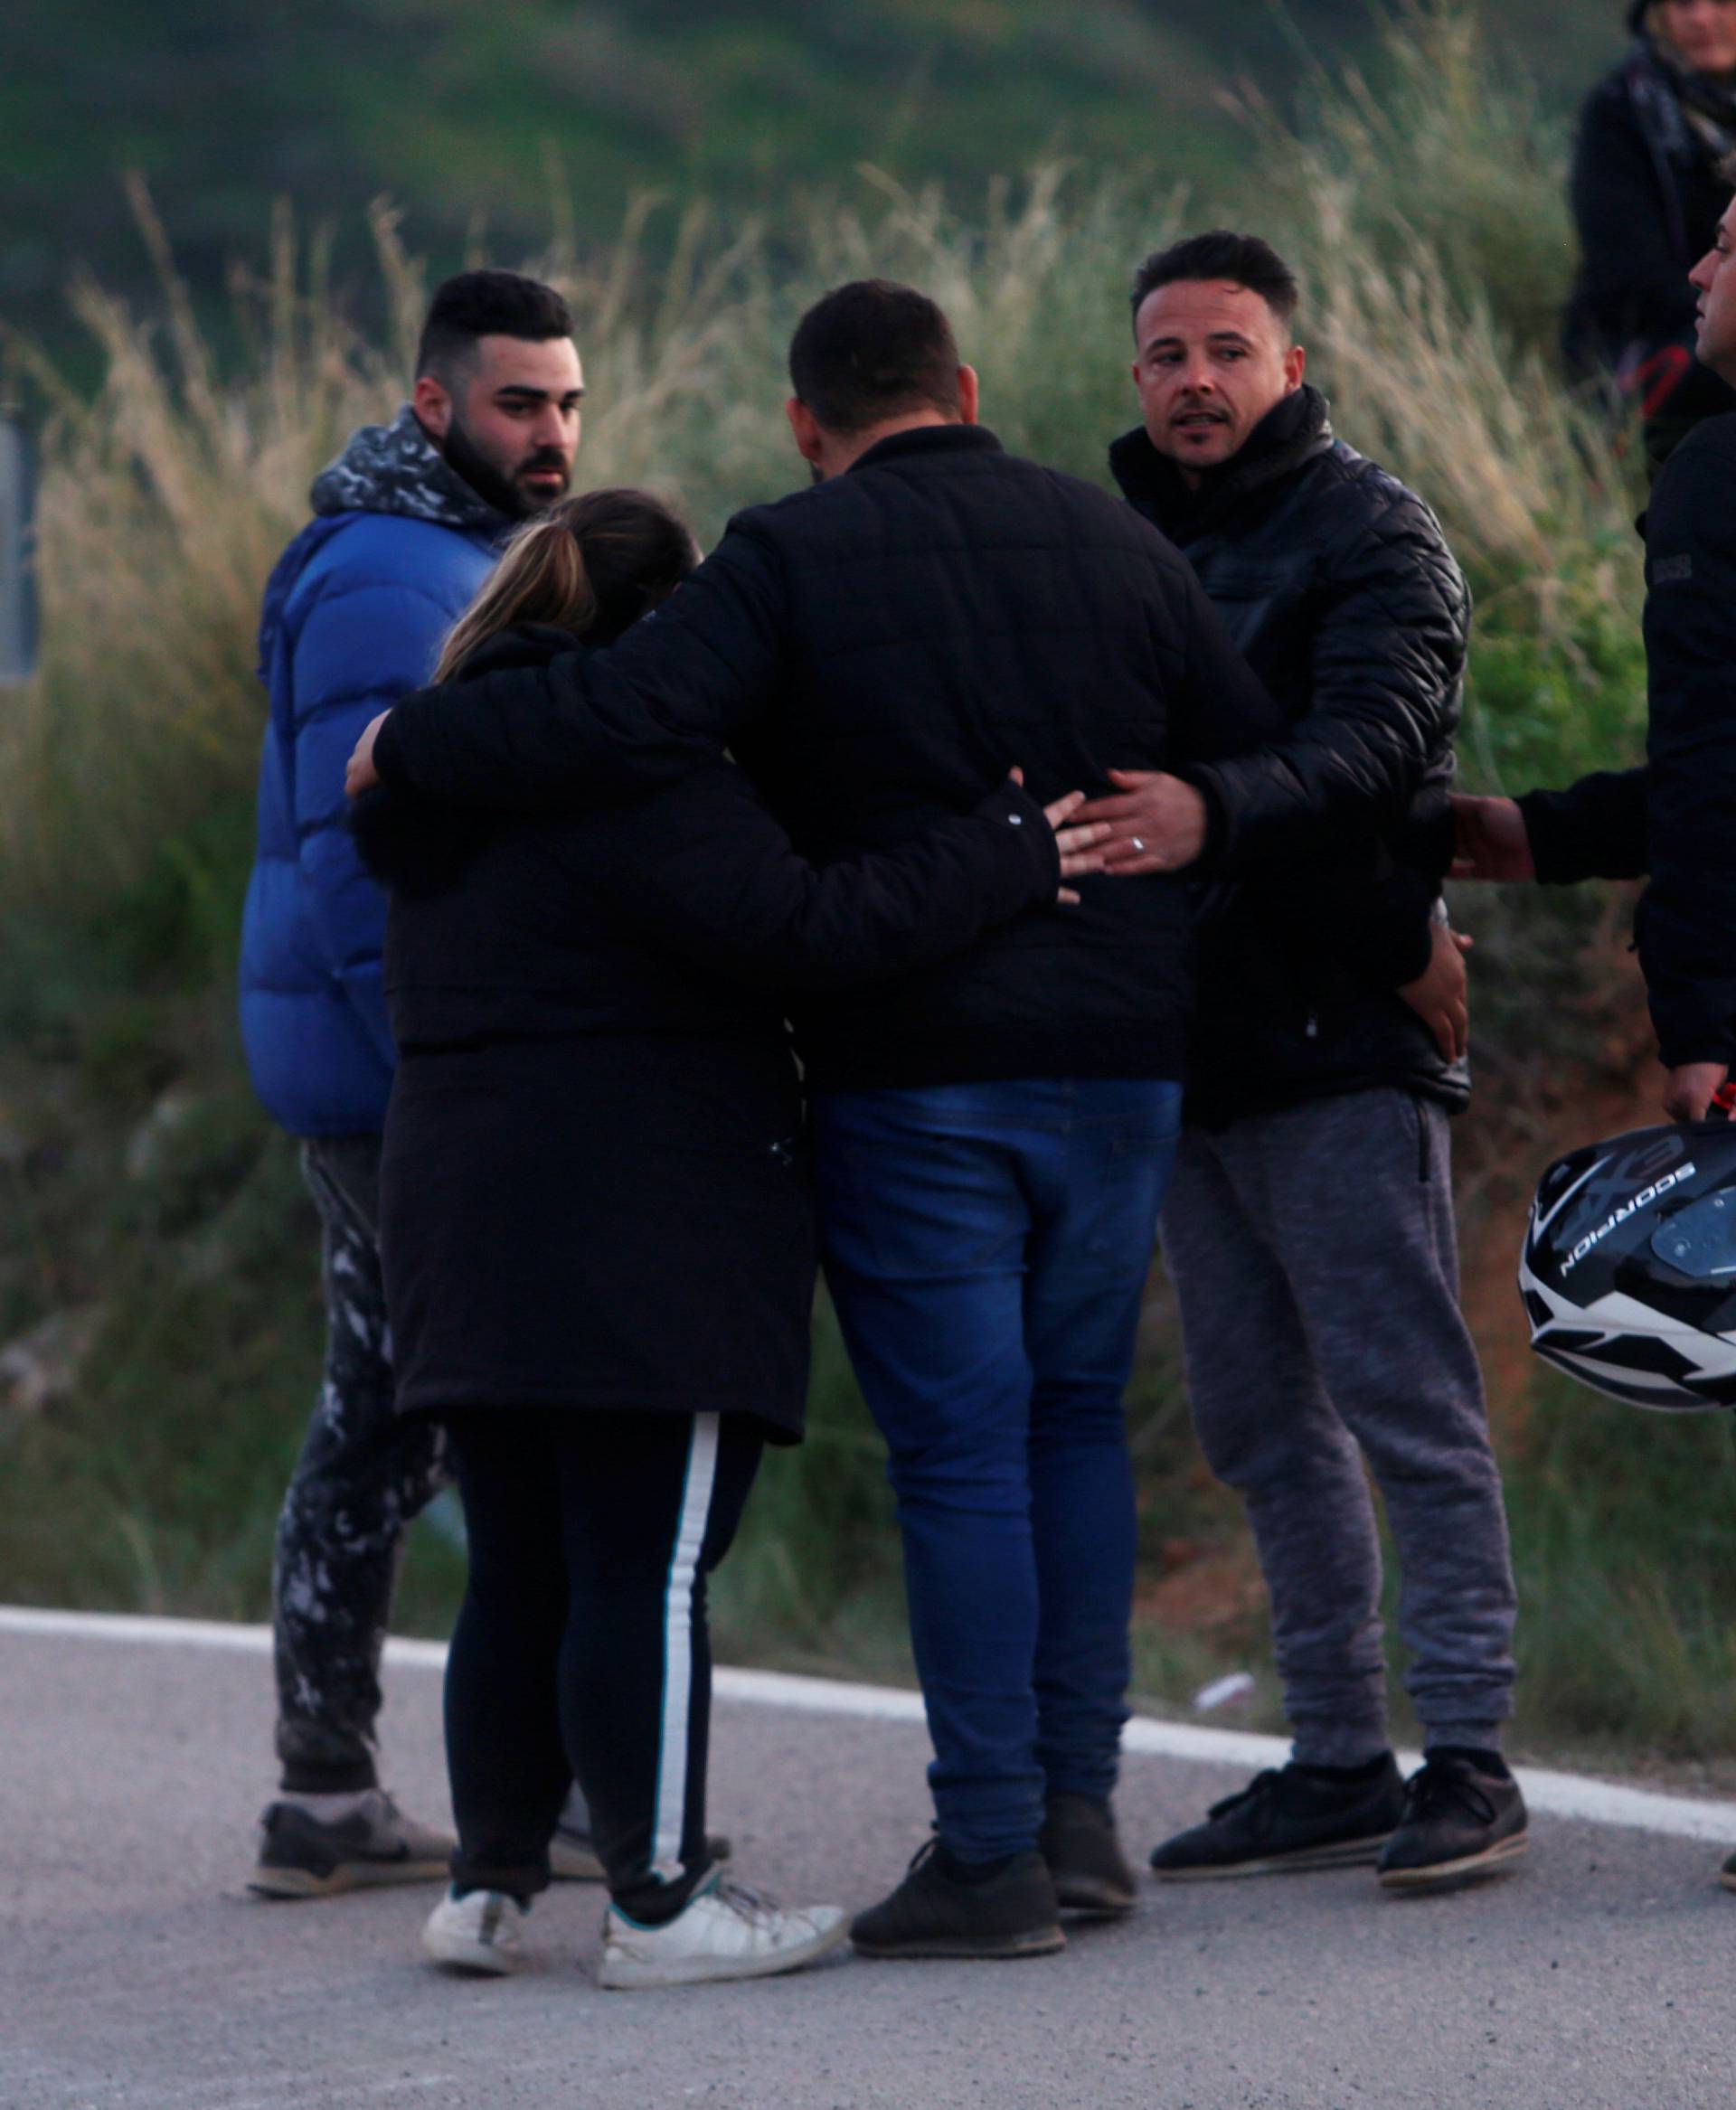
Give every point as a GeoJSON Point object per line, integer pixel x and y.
{"type": "Point", "coordinates": [1309, 1225]}
{"type": "Point", "coordinates": [993, 1131]}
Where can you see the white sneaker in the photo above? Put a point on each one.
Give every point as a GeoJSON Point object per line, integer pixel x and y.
{"type": "Point", "coordinates": [480, 1931]}
{"type": "Point", "coordinates": [722, 1932]}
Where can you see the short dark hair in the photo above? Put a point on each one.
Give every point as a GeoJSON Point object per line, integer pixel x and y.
{"type": "Point", "coordinates": [487, 304]}
{"type": "Point", "coordinates": [870, 350]}
{"type": "Point", "coordinates": [1244, 257]}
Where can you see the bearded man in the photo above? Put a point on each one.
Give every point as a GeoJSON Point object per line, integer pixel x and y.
{"type": "Point", "coordinates": [406, 525]}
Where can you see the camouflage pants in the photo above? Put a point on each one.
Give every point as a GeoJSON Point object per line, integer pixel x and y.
{"type": "Point", "coordinates": [364, 1475]}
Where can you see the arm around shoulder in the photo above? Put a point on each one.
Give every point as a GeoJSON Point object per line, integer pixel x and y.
{"type": "Point", "coordinates": [712, 874]}
{"type": "Point", "coordinates": [1387, 661]}
{"type": "Point", "coordinates": [596, 727]}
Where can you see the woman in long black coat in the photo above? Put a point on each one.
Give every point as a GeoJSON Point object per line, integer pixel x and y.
{"type": "Point", "coordinates": [600, 1248]}
{"type": "Point", "coordinates": [1648, 194]}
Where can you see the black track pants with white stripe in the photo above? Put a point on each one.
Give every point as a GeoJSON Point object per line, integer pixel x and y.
{"type": "Point", "coordinates": [582, 1650]}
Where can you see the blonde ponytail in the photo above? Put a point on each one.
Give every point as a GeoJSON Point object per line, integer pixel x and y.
{"type": "Point", "coordinates": [540, 578]}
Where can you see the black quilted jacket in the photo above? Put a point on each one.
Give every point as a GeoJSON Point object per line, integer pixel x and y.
{"type": "Point", "coordinates": [1337, 585]}
{"type": "Point", "coordinates": [879, 650]}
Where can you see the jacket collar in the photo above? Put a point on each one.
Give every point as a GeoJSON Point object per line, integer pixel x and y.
{"type": "Point", "coordinates": [1294, 432]}
{"type": "Point", "coordinates": [929, 440]}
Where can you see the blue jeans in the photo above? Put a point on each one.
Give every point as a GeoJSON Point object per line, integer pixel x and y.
{"type": "Point", "coordinates": [987, 1248]}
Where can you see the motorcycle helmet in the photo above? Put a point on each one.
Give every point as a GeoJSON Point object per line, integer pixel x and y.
{"type": "Point", "coordinates": [1628, 1270]}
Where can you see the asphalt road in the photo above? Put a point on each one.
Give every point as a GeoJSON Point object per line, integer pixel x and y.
{"type": "Point", "coordinates": [135, 1972]}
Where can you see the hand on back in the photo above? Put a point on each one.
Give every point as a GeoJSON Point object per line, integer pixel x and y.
{"type": "Point", "coordinates": [1152, 823]}
{"type": "Point", "coordinates": [1490, 840]}
{"type": "Point", "coordinates": [1440, 995]}
{"type": "Point", "coordinates": [1077, 845]}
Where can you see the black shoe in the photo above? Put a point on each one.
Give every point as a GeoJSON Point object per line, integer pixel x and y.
{"type": "Point", "coordinates": [1301, 1817]}
{"type": "Point", "coordinates": [1727, 1873]}
{"type": "Point", "coordinates": [1459, 1820]}
{"type": "Point", "coordinates": [940, 1909]}
{"type": "Point", "coordinates": [1086, 1863]}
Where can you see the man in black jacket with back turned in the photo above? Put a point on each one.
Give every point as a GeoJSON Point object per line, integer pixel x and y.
{"type": "Point", "coordinates": [1309, 1225]}
{"type": "Point", "coordinates": [1674, 817]}
{"type": "Point", "coordinates": [993, 1133]}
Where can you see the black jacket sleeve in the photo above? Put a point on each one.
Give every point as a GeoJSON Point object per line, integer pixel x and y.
{"type": "Point", "coordinates": [1595, 829]}
{"type": "Point", "coordinates": [588, 729]}
{"type": "Point", "coordinates": [1688, 923]}
{"type": "Point", "coordinates": [1387, 661]}
{"type": "Point", "coordinates": [706, 871]}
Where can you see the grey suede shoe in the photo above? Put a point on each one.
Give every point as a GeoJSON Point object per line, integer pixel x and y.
{"type": "Point", "coordinates": [303, 1854]}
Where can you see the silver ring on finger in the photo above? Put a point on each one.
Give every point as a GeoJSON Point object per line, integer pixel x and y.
{"type": "Point", "coordinates": [1137, 843]}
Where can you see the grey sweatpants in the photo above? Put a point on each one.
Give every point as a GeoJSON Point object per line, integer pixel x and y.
{"type": "Point", "coordinates": [1313, 1256]}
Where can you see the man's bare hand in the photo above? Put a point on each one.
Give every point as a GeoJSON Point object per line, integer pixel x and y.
{"type": "Point", "coordinates": [1692, 1089]}
{"type": "Point", "coordinates": [361, 775]}
{"type": "Point", "coordinates": [1490, 840]}
{"type": "Point", "coordinates": [1156, 821]}
{"type": "Point", "coordinates": [1440, 995]}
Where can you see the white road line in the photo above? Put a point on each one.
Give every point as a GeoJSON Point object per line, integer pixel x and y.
{"type": "Point", "coordinates": [1549, 1793]}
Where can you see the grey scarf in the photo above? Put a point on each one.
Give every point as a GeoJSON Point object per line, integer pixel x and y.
{"type": "Point", "coordinates": [397, 468]}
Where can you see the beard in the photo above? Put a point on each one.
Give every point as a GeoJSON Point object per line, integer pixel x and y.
{"type": "Point", "coordinates": [497, 484]}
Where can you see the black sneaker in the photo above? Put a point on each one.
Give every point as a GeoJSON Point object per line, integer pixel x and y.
{"type": "Point", "coordinates": [301, 1855]}
{"type": "Point", "coordinates": [940, 1909]}
{"type": "Point", "coordinates": [1299, 1817]}
{"type": "Point", "coordinates": [1086, 1863]}
{"type": "Point", "coordinates": [1459, 1820]}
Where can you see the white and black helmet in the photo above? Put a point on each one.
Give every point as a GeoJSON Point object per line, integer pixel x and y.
{"type": "Point", "coordinates": [1628, 1271]}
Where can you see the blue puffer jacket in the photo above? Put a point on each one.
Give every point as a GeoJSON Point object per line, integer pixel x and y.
{"type": "Point", "coordinates": [355, 614]}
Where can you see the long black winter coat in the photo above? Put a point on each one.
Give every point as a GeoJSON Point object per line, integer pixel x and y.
{"type": "Point", "coordinates": [593, 1192]}
{"type": "Point", "coordinates": [879, 650]}
{"type": "Point", "coordinates": [1647, 199]}
{"type": "Point", "coordinates": [1676, 818]}
{"type": "Point", "coordinates": [1337, 585]}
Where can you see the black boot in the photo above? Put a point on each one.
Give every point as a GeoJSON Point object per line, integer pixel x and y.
{"type": "Point", "coordinates": [947, 1907]}
{"type": "Point", "coordinates": [1089, 1870]}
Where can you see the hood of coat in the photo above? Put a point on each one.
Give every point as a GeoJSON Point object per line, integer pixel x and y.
{"type": "Point", "coordinates": [525, 645]}
{"type": "Point", "coordinates": [1293, 433]}
{"type": "Point", "coordinates": [397, 468]}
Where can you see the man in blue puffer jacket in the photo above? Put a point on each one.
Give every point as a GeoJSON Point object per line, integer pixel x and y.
{"type": "Point", "coordinates": [407, 524]}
